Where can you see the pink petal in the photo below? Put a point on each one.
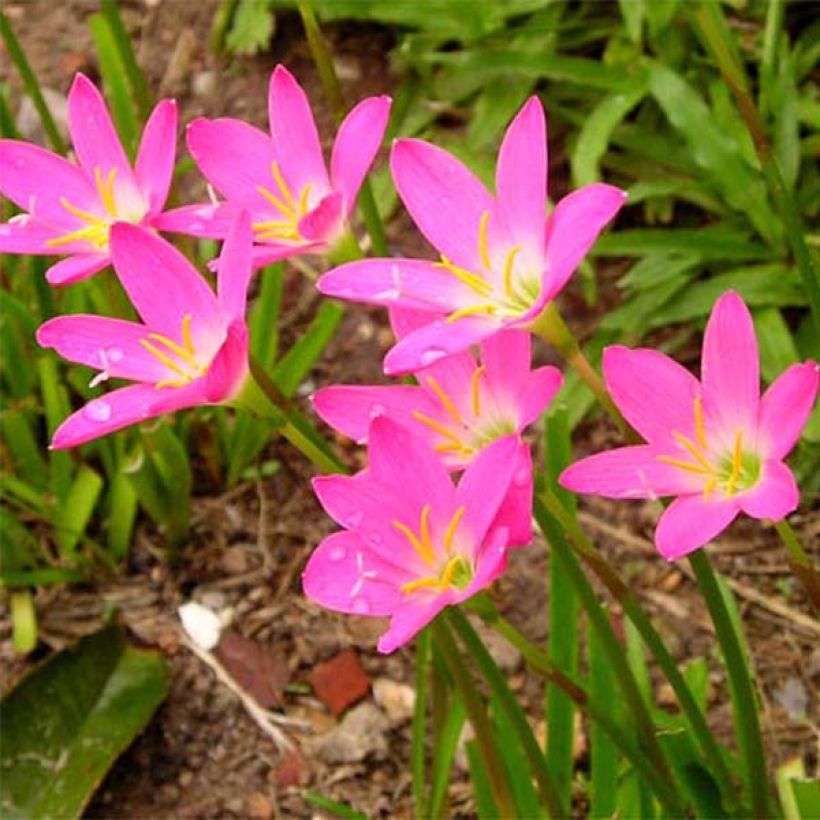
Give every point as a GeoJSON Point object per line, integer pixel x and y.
{"type": "Point", "coordinates": [628, 472]}
{"type": "Point", "coordinates": [521, 175]}
{"type": "Point", "coordinates": [270, 252]}
{"type": "Point", "coordinates": [573, 227]}
{"type": "Point", "coordinates": [210, 221]}
{"type": "Point", "coordinates": [357, 142]}
{"type": "Point", "coordinates": [507, 357]}
{"type": "Point", "coordinates": [486, 482]}
{"type": "Point", "coordinates": [404, 321]}
{"type": "Point", "coordinates": [406, 283]}
{"type": "Point", "coordinates": [109, 345]}
{"type": "Point", "coordinates": [161, 283]}
{"type": "Point", "coordinates": [655, 393]}
{"type": "Point", "coordinates": [234, 267]}
{"type": "Point", "coordinates": [690, 522]}
{"type": "Point", "coordinates": [154, 167]}
{"type": "Point", "coordinates": [515, 512]}
{"type": "Point", "coordinates": [76, 268]}
{"type": "Point", "coordinates": [435, 341]}
{"type": "Point", "coordinates": [36, 180]}
{"type": "Point", "coordinates": [730, 366]}
{"type": "Point", "coordinates": [342, 574]}
{"type": "Point", "coordinates": [93, 135]}
{"type": "Point", "coordinates": [24, 234]}
{"type": "Point", "coordinates": [785, 409]}
{"type": "Point", "coordinates": [445, 200]}
{"type": "Point", "coordinates": [492, 561]}
{"type": "Point", "coordinates": [228, 370]}
{"type": "Point", "coordinates": [117, 409]}
{"type": "Point", "coordinates": [324, 223]}
{"type": "Point", "coordinates": [294, 133]}
{"type": "Point", "coordinates": [350, 409]}
{"type": "Point", "coordinates": [410, 619]}
{"type": "Point", "coordinates": [774, 496]}
{"type": "Point", "coordinates": [538, 391]}
{"type": "Point", "coordinates": [235, 158]}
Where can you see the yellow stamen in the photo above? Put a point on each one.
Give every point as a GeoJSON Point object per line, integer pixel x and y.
{"type": "Point", "coordinates": [437, 426]}
{"type": "Point", "coordinates": [452, 527]}
{"type": "Point", "coordinates": [183, 353]}
{"type": "Point", "coordinates": [481, 286]}
{"type": "Point", "coordinates": [171, 383]}
{"type": "Point", "coordinates": [445, 400]}
{"type": "Point", "coordinates": [420, 548]}
{"type": "Point", "coordinates": [96, 234]}
{"type": "Point", "coordinates": [86, 216]}
{"type": "Point", "coordinates": [684, 465]}
{"type": "Point", "coordinates": [165, 359]}
{"type": "Point", "coordinates": [105, 188]}
{"type": "Point", "coordinates": [700, 435]}
{"type": "Point", "coordinates": [737, 463]}
{"type": "Point", "coordinates": [187, 338]}
{"type": "Point", "coordinates": [690, 448]}
{"type": "Point", "coordinates": [461, 449]}
{"type": "Point", "coordinates": [482, 239]}
{"type": "Point", "coordinates": [283, 186]}
{"type": "Point", "coordinates": [303, 199]}
{"type": "Point", "coordinates": [275, 201]}
{"type": "Point", "coordinates": [425, 533]}
{"type": "Point", "coordinates": [472, 310]}
{"type": "Point", "coordinates": [509, 263]}
{"type": "Point", "coordinates": [449, 571]}
{"type": "Point", "coordinates": [475, 390]}
{"type": "Point", "coordinates": [421, 583]}
{"type": "Point", "coordinates": [708, 487]}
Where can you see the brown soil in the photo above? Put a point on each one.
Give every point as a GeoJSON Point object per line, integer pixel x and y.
{"type": "Point", "coordinates": [203, 755]}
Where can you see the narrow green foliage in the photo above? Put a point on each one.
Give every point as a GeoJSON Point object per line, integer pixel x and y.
{"type": "Point", "coordinates": [73, 515]}
{"type": "Point", "coordinates": [125, 49]}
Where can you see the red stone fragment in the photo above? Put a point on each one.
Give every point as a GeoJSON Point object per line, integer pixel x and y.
{"type": "Point", "coordinates": [340, 682]}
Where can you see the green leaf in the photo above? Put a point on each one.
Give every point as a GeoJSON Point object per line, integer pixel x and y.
{"type": "Point", "coordinates": [74, 512]}
{"type": "Point", "coordinates": [777, 348]}
{"type": "Point", "coordinates": [444, 753]}
{"type": "Point", "coordinates": [253, 25]}
{"type": "Point", "coordinates": [67, 722]}
{"type": "Point", "coordinates": [333, 807]}
{"type": "Point", "coordinates": [720, 243]}
{"type": "Point", "coordinates": [633, 13]}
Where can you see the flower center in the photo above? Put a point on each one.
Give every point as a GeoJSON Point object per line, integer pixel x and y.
{"type": "Point", "coordinates": [453, 570]}
{"type": "Point", "coordinates": [96, 226]}
{"type": "Point", "coordinates": [510, 293]}
{"type": "Point", "coordinates": [733, 471]}
{"type": "Point", "coordinates": [291, 209]}
{"type": "Point", "coordinates": [467, 436]}
{"type": "Point", "coordinates": [180, 359]}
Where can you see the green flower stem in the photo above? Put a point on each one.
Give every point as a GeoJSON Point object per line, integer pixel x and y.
{"type": "Point", "coordinates": [711, 27]}
{"type": "Point", "coordinates": [540, 662]}
{"type": "Point", "coordinates": [619, 590]}
{"type": "Point", "coordinates": [417, 756]}
{"type": "Point", "coordinates": [800, 562]}
{"type": "Point", "coordinates": [264, 398]}
{"type": "Point", "coordinates": [747, 724]}
{"type": "Point", "coordinates": [477, 714]}
{"type": "Point", "coordinates": [333, 91]}
{"type": "Point", "coordinates": [609, 642]}
{"type": "Point", "coordinates": [550, 327]}
{"type": "Point", "coordinates": [529, 745]}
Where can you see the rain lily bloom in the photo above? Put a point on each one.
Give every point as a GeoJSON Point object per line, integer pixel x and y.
{"type": "Point", "coordinates": [459, 407]}
{"type": "Point", "coordinates": [190, 349]}
{"type": "Point", "coordinates": [281, 178]}
{"type": "Point", "coordinates": [413, 542]}
{"type": "Point", "coordinates": [502, 258]}
{"type": "Point", "coordinates": [70, 208]}
{"type": "Point", "coordinates": [716, 444]}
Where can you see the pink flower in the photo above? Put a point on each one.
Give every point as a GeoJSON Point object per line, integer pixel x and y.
{"type": "Point", "coordinates": [502, 258]}
{"type": "Point", "coordinates": [71, 208]}
{"type": "Point", "coordinates": [191, 349]}
{"type": "Point", "coordinates": [715, 443]}
{"type": "Point", "coordinates": [413, 541]}
{"type": "Point", "coordinates": [281, 179]}
{"type": "Point", "coordinates": [460, 407]}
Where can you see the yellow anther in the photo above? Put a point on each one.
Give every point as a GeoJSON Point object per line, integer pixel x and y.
{"type": "Point", "coordinates": [472, 310]}
{"type": "Point", "coordinates": [174, 355]}
{"type": "Point", "coordinates": [690, 448]}
{"type": "Point", "coordinates": [425, 533]}
{"type": "Point", "coordinates": [684, 465]}
{"type": "Point", "coordinates": [450, 534]}
{"type": "Point", "coordinates": [461, 449]}
{"type": "Point", "coordinates": [105, 188]}
{"type": "Point", "coordinates": [283, 186]}
{"type": "Point", "coordinates": [737, 463]}
{"type": "Point", "coordinates": [96, 234]}
{"type": "Point", "coordinates": [275, 201]}
{"type": "Point", "coordinates": [482, 240]}
{"type": "Point", "coordinates": [86, 216]}
{"type": "Point", "coordinates": [700, 435]}
{"type": "Point", "coordinates": [303, 199]}
{"type": "Point", "coordinates": [437, 426]}
{"type": "Point", "coordinates": [187, 338]}
{"type": "Point", "coordinates": [476, 283]}
{"type": "Point", "coordinates": [424, 550]}
{"type": "Point", "coordinates": [509, 264]}
{"type": "Point", "coordinates": [446, 401]}
{"type": "Point", "coordinates": [475, 385]}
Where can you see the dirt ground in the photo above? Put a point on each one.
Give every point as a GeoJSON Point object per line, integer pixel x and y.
{"type": "Point", "coordinates": [204, 754]}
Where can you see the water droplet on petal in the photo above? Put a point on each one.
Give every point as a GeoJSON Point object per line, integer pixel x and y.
{"type": "Point", "coordinates": [387, 295]}
{"type": "Point", "coordinates": [98, 410]}
{"type": "Point", "coordinates": [354, 519]}
{"type": "Point", "coordinates": [432, 354]}
{"type": "Point", "coordinates": [522, 477]}
{"type": "Point", "coordinates": [115, 354]}
{"type": "Point", "coordinates": [377, 410]}
{"type": "Point", "coordinates": [375, 538]}
{"type": "Point", "coordinates": [360, 606]}
{"type": "Point", "coordinates": [336, 553]}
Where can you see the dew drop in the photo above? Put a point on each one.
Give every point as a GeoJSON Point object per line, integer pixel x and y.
{"type": "Point", "coordinates": [522, 478]}
{"type": "Point", "coordinates": [354, 519]}
{"type": "Point", "coordinates": [432, 354]}
{"type": "Point", "coordinates": [389, 295]}
{"type": "Point", "coordinates": [98, 410]}
{"type": "Point", "coordinates": [360, 606]}
{"type": "Point", "coordinates": [336, 553]}
{"type": "Point", "coordinates": [377, 410]}
{"type": "Point", "coordinates": [375, 538]}
{"type": "Point", "coordinates": [115, 354]}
